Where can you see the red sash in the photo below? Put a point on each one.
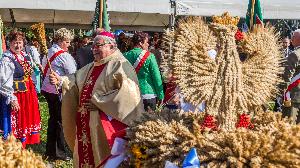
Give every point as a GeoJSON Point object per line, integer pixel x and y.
{"type": "Point", "coordinates": [51, 60]}
{"type": "Point", "coordinates": [112, 128]}
{"type": "Point", "coordinates": [290, 87]}
{"type": "Point", "coordinates": [141, 60]}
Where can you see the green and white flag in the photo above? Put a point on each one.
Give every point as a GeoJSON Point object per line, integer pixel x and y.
{"type": "Point", "coordinates": [101, 17]}
{"type": "Point", "coordinates": [254, 14]}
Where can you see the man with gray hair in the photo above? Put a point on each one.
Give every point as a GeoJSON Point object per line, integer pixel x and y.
{"type": "Point", "coordinates": [99, 101]}
{"type": "Point", "coordinates": [292, 75]}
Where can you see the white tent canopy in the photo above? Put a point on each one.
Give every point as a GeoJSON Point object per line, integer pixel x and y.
{"type": "Point", "coordinates": [83, 19]}
{"type": "Point", "coordinates": [143, 6]}
{"type": "Point", "coordinates": [125, 14]}
{"type": "Point", "coordinates": [133, 14]}
{"type": "Point", "coordinates": [271, 9]}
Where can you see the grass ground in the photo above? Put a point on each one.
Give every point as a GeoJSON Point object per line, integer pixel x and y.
{"type": "Point", "coordinates": [41, 148]}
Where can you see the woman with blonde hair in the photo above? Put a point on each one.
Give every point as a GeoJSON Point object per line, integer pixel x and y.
{"type": "Point", "coordinates": [63, 64]}
{"type": "Point", "coordinates": [19, 105]}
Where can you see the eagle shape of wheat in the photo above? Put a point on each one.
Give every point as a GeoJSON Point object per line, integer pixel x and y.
{"type": "Point", "coordinates": [228, 86]}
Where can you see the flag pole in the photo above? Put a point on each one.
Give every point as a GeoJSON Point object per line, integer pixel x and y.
{"type": "Point", "coordinates": [51, 71]}
{"type": "Point", "coordinates": [100, 14]}
{"type": "Point", "coordinates": [39, 31]}
{"type": "Point", "coordinates": [252, 14]}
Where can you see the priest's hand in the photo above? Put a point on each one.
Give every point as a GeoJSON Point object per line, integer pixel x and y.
{"type": "Point", "coordinates": [15, 105]}
{"type": "Point", "coordinates": [90, 106]}
{"type": "Point", "coordinates": [54, 78]}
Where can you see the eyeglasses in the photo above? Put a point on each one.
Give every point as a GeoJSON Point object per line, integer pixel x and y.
{"type": "Point", "coordinates": [99, 44]}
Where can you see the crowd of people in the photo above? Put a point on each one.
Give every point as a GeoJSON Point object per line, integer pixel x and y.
{"type": "Point", "coordinates": [26, 73]}
{"type": "Point", "coordinates": [97, 90]}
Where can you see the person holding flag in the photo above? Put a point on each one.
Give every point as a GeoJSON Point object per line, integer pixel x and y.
{"type": "Point", "coordinates": [61, 62]}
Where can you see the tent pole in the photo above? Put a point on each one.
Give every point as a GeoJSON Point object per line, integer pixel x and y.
{"type": "Point", "coordinates": [53, 23]}
{"type": "Point", "coordinates": [172, 18]}
{"type": "Point", "coordinates": [11, 12]}
{"type": "Point", "coordinates": [172, 14]}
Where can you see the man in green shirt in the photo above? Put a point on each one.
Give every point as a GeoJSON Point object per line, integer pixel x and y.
{"type": "Point", "coordinates": [147, 70]}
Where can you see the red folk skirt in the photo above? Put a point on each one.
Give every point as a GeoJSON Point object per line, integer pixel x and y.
{"type": "Point", "coordinates": [26, 123]}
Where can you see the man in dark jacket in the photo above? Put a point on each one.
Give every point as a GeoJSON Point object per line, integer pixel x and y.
{"type": "Point", "coordinates": [286, 51]}
{"type": "Point", "coordinates": [84, 54]}
{"type": "Point", "coordinates": [292, 74]}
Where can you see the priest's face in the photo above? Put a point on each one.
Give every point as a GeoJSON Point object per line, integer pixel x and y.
{"type": "Point", "coordinates": [101, 49]}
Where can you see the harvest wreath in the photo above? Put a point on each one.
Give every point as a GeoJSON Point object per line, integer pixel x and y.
{"type": "Point", "coordinates": [233, 131]}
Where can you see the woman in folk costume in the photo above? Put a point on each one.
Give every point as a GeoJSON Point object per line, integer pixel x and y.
{"type": "Point", "coordinates": [63, 64]}
{"type": "Point", "coordinates": [99, 101]}
{"type": "Point", "coordinates": [147, 71]}
{"type": "Point", "coordinates": [20, 112]}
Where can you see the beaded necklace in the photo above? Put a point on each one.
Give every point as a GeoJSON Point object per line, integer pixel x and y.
{"type": "Point", "coordinates": [25, 65]}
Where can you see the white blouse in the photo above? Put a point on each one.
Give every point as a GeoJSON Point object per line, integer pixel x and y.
{"type": "Point", "coordinates": [63, 65]}
{"type": "Point", "coordinates": [7, 69]}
